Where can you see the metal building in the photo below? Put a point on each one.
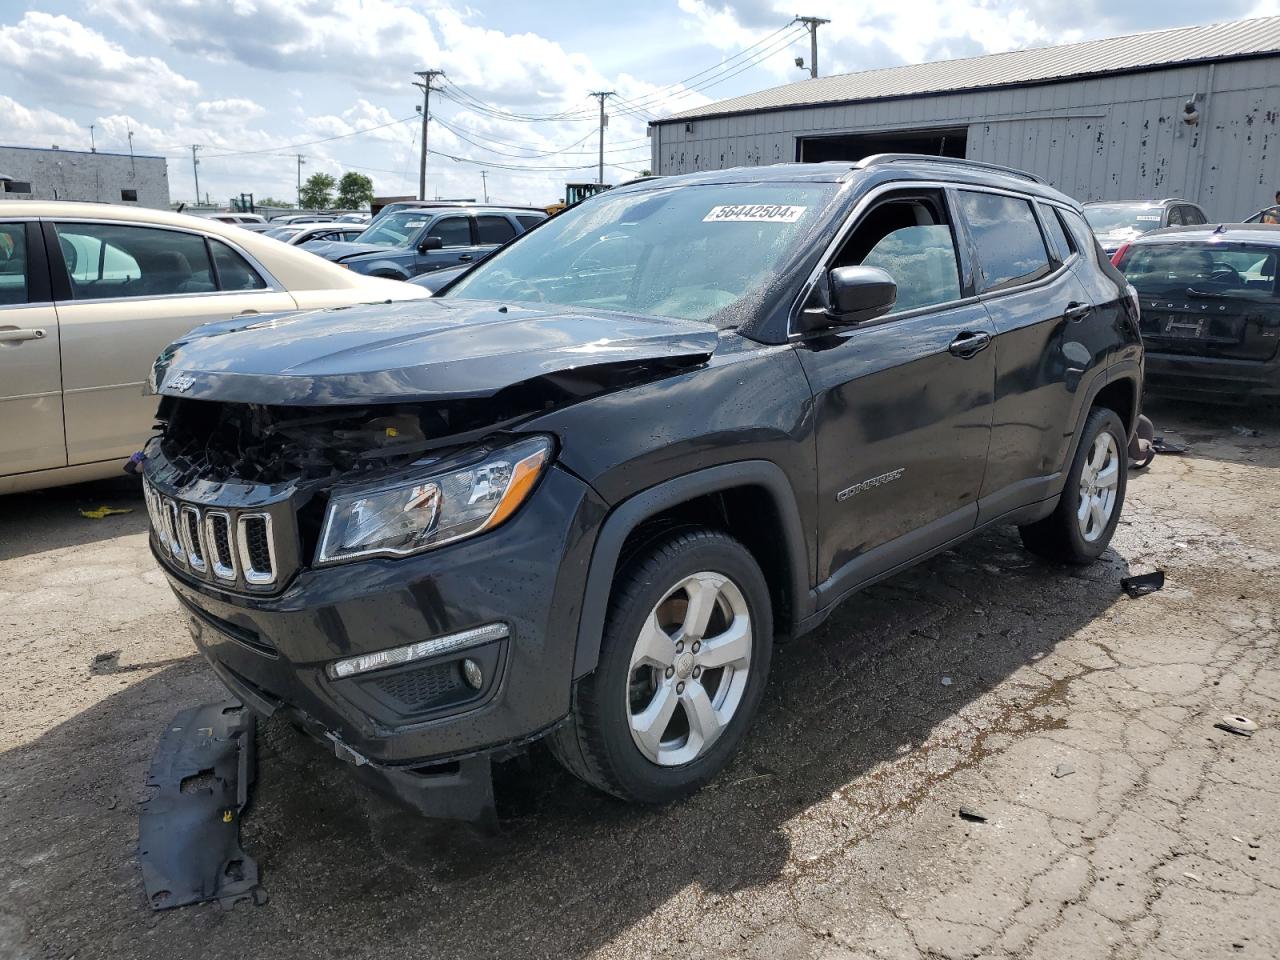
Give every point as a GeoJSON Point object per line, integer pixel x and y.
{"type": "Point", "coordinates": [1191, 113]}
{"type": "Point", "coordinates": [38, 173]}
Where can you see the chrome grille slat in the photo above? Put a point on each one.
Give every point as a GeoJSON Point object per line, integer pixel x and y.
{"type": "Point", "coordinates": [171, 527]}
{"type": "Point", "coordinates": [222, 554]}
{"type": "Point", "coordinates": [257, 551]}
{"type": "Point", "coordinates": [191, 532]}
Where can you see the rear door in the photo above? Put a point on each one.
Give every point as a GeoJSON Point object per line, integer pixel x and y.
{"type": "Point", "coordinates": [123, 293]}
{"type": "Point", "coordinates": [1043, 318]}
{"type": "Point", "coordinates": [30, 374]}
{"type": "Point", "coordinates": [1207, 298]}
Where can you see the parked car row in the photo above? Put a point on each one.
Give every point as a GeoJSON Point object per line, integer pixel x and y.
{"type": "Point", "coordinates": [90, 294]}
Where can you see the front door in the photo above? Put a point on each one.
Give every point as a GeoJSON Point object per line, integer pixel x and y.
{"type": "Point", "coordinates": [457, 246]}
{"type": "Point", "coordinates": [902, 403]}
{"type": "Point", "coordinates": [30, 374]}
{"type": "Point", "coordinates": [123, 294]}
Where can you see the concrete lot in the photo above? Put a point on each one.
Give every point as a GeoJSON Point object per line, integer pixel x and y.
{"type": "Point", "coordinates": [834, 834]}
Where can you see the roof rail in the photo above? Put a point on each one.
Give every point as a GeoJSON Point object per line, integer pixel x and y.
{"type": "Point", "coordinates": [879, 158]}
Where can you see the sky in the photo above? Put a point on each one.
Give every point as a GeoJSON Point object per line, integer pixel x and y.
{"type": "Point", "coordinates": [255, 83]}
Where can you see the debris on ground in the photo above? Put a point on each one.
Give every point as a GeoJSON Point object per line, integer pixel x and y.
{"type": "Point", "coordinates": [1192, 876]}
{"type": "Point", "coordinates": [189, 830]}
{"type": "Point", "coordinates": [105, 662]}
{"type": "Point", "coordinates": [972, 814]}
{"type": "Point", "coordinates": [946, 681]}
{"type": "Point", "coordinates": [1163, 445]}
{"type": "Point", "coordinates": [134, 464]}
{"type": "Point", "coordinates": [1240, 726]}
{"type": "Point", "coordinates": [1142, 584]}
{"type": "Point", "coordinates": [104, 511]}
{"type": "Point", "coordinates": [1246, 432]}
{"type": "Point", "coordinates": [1063, 770]}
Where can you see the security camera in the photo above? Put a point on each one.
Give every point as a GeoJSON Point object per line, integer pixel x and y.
{"type": "Point", "coordinates": [800, 62]}
{"type": "Point", "coordinates": [1190, 114]}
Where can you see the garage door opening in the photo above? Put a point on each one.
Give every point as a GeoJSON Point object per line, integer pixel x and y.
{"type": "Point", "coordinates": [855, 146]}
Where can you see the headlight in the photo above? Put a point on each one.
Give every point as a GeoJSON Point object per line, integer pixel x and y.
{"type": "Point", "coordinates": [426, 513]}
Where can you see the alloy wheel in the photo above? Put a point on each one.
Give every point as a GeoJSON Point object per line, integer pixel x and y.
{"type": "Point", "coordinates": [1099, 480]}
{"type": "Point", "coordinates": [689, 668]}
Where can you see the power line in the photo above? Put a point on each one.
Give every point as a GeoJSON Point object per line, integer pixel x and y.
{"type": "Point", "coordinates": [467, 135]}
{"type": "Point", "coordinates": [286, 147]}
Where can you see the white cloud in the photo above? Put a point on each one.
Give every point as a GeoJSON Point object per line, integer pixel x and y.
{"type": "Point", "coordinates": [69, 63]}
{"type": "Point", "coordinates": [37, 126]}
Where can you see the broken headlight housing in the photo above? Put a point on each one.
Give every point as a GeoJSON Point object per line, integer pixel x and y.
{"type": "Point", "coordinates": [428, 512]}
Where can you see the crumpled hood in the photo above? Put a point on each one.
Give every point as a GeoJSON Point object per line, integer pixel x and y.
{"type": "Point", "coordinates": [421, 350]}
{"type": "Point", "coordinates": [337, 250]}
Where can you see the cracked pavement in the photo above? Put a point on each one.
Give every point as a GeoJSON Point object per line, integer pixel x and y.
{"type": "Point", "coordinates": [971, 680]}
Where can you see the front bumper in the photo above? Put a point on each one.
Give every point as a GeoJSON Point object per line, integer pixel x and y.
{"type": "Point", "coordinates": [1177, 374]}
{"type": "Point", "coordinates": [529, 574]}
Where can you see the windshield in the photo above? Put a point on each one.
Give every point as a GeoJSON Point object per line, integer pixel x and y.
{"type": "Point", "coordinates": [396, 229]}
{"type": "Point", "coordinates": [1130, 218]}
{"type": "Point", "coordinates": [1209, 269]}
{"type": "Point", "coordinates": [683, 252]}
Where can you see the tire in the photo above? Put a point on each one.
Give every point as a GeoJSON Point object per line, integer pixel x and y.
{"type": "Point", "coordinates": [707, 708]}
{"type": "Point", "coordinates": [1063, 535]}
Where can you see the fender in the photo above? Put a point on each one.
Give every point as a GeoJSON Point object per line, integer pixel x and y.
{"type": "Point", "coordinates": [635, 510]}
{"type": "Point", "coordinates": [372, 268]}
{"type": "Point", "coordinates": [1130, 370]}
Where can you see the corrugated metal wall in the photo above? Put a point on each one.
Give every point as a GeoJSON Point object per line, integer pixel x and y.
{"type": "Point", "coordinates": [1116, 137]}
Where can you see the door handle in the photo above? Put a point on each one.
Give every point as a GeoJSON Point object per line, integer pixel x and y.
{"type": "Point", "coordinates": [1077, 311]}
{"type": "Point", "coordinates": [17, 335]}
{"type": "Point", "coordinates": [970, 344]}
{"type": "Point", "coordinates": [465, 257]}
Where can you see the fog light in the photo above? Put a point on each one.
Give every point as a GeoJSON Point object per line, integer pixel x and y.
{"type": "Point", "coordinates": [472, 673]}
{"type": "Point", "coordinates": [418, 651]}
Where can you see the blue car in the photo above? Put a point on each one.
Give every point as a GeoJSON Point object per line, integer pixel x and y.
{"type": "Point", "coordinates": [407, 243]}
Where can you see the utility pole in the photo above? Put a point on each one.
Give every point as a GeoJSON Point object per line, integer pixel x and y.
{"type": "Point", "coordinates": [195, 169]}
{"type": "Point", "coordinates": [602, 95]}
{"type": "Point", "coordinates": [301, 161]}
{"type": "Point", "coordinates": [93, 147]}
{"type": "Point", "coordinates": [813, 23]}
{"type": "Point", "coordinates": [484, 178]}
{"type": "Point", "coordinates": [133, 170]}
{"type": "Point", "coordinates": [426, 88]}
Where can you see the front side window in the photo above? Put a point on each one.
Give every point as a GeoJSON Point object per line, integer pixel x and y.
{"type": "Point", "coordinates": [1210, 270]}
{"type": "Point", "coordinates": [494, 229]}
{"type": "Point", "coordinates": [13, 264]}
{"type": "Point", "coordinates": [689, 252]}
{"type": "Point", "coordinates": [911, 241]}
{"type": "Point", "coordinates": [1007, 239]}
{"type": "Point", "coordinates": [1192, 215]}
{"type": "Point", "coordinates": [452, 231]}
{"type": "Point", "coordinates": [234, 272]}
{"type": "Point", "coordinates": [1175, 216]}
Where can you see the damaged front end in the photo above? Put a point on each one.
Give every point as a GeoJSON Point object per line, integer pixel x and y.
{"type": "Point", "coordinates": [396, 566]}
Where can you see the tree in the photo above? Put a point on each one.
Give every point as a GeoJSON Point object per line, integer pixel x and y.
{"type": "Point", "coordinates": [355, 190]}
{"type": "Point", "coordinates": [317, 192]}
{"type": "Point", "coordinates": [273, 202]}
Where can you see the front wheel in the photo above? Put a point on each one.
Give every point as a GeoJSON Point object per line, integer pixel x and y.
{"type": "Point", "coordinates": [1081, 526]}
{"type": "Point", "coordinates": [683, 664]}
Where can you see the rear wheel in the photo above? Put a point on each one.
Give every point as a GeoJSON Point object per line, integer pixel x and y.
{"type": "Point", "coordinates": [1081, 526]}
{"type": "Point", "coordinates": [683, 664]}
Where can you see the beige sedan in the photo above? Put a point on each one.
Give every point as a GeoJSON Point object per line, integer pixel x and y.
{"type": "Point", "coordinates": [91, 293]}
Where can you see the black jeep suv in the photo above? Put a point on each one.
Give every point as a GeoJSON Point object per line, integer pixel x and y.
{"type": "Point", "coordinates": [581, 493]}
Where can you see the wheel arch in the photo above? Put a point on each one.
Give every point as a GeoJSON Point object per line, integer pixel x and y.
{"type": "Point", "coordinates": [726, 497]}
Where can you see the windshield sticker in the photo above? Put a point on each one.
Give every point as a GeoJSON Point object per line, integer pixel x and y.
{"type": "Point", "coordinates": [1145, 218]}
{"type": "Point", "coordinates": [755, 213]}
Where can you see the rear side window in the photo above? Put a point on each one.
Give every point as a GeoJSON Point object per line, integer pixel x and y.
{"type": "Point", "coordinates": [13, 264]}
{"type": "Point", "coordinates": [1007, 239]}
{"type": "Point", "coordinates": [234, 272]}
{"type": "Point", "coordinates": [529, 221]}
{"type": "Point", "coordinates": [1057, 232]}
{"type": "Point", "coordinates": [493, 229]}
{"type": "Point", "coordinates": [1211, 270]}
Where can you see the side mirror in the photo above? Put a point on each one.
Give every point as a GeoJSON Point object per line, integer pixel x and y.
{"type": "Point", "coordinates": [858, 294]}
{"type": "Point", "coordinates": [430, 243]}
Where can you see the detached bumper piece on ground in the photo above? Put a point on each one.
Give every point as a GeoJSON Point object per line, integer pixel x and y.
{"type": "Point", "coordinates": [189, 831]}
